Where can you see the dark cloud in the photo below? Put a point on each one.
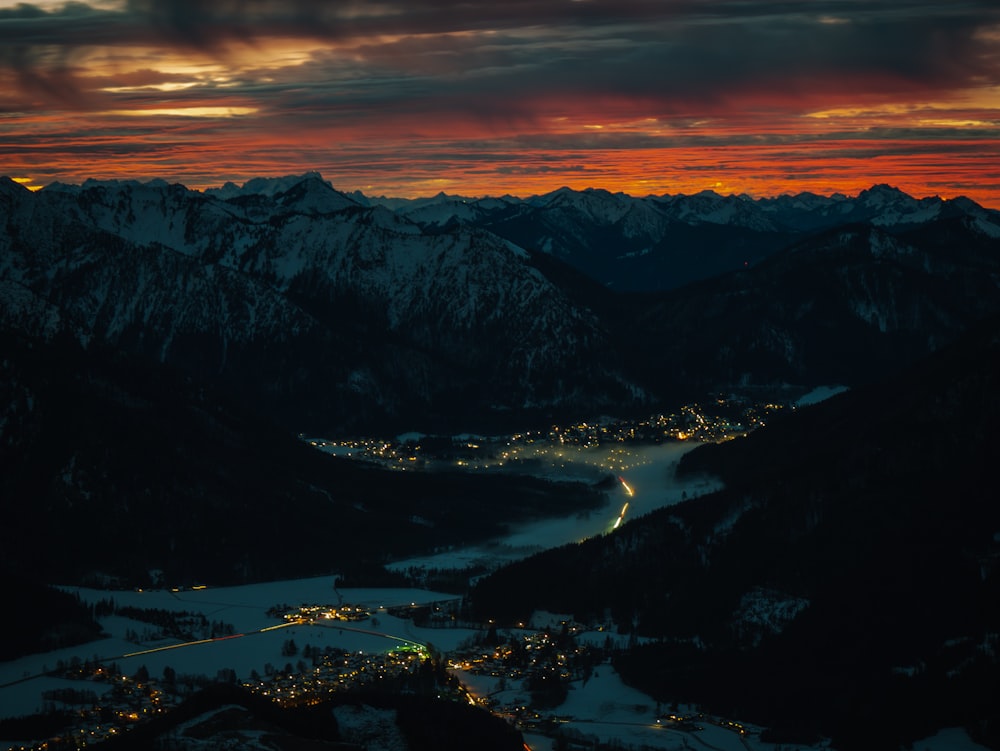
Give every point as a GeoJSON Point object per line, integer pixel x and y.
{"type": "Point", "coordinates": [515, 88]}
{"type": "Point", "coordinates": [636, 48]}
{"type": "Point", "coordinates": [209, 25]}
{"type": "Point", "coordinates": [543, 169]}
{"type": "Point", "coordinates": [50, 75]}
{"type": "Point", "coordinates": [783, 59]}
{"type": "Point", "coordinates": [892, 140]}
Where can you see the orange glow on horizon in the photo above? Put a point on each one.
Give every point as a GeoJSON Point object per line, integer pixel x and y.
{"type": "Point", "coordinates": [205, 141]}
{"type": "Point", "coordinates": [758, 172]}
{"type": "Point", "coordinates": [395, 103]}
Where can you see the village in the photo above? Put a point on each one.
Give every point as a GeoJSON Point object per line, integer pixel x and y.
{"type": "Point", "coordinates": [720, 419]}
{"type": "Point", "coordinates": [522, 673]}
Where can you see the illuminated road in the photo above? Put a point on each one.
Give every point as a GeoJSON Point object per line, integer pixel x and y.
{"type": "Point", "coordinates": [621, 516]}
{"type": "Point", "coordinates": [631, 494]}
{"type": "Point", "coordinates": [299, 622]}
{"type": "Point", "coordinates": [199, 642]}
{"type": "Point", "coordinates": [628, 488]}
{"type": "Point", "coordinates": [153, 650]}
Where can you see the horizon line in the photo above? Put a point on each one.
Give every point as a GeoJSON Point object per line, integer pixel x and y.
{"type": "Point", "coordinates": [34, 186]}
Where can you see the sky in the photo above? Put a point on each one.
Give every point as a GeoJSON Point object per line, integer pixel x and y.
{"type": "Point", "coordinates": [412, 97]}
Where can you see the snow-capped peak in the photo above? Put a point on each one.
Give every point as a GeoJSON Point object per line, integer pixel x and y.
{"type": "Point", "coordinates": [597, 204]}
{"type": "Point", "coordinates": [61, 187]}
{"type": "Point", "coordinates": [888, 206]}
{"type": "Point", "coordinates": [265, 186]}
{"type": "Point", "coordinates": [881, 194]}
{"type": "Point", "coordinates": [307, 192]}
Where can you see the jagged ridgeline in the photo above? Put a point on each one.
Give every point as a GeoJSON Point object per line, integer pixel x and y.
{"type": "Point", "coordinates": [330, 311]}
{"type": "Point", "coordinates": [322, 312]}
{"type": "Point", "coordinates": [161, 345]}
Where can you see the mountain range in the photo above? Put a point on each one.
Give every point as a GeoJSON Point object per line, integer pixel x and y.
{"type": "Point", "coordinates": [335, 312]}
{"type": "Point", "coordinates": [162, 347]}
{"type": "Point", "coordinates": [634, 244]}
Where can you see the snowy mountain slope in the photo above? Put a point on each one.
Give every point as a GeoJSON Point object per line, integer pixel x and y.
{"type": "Point", "coordinates": [881, 205]}
{"type": "Point", "coordinates": [851, 303]}
{"type": "Point", "coordinates": [709, 207]}
{"type": "Point", "coordinates": [662, 242]}
{"type": "Point", "coordinates": [308, 193]}
{"type": "Point", "coordinates": [332, 310]}
{"type": "Point", "coordinates": [443, 210]}
{"type": "Point", "coordinates": [23, 310]}
{"type": "Point", "coordinates": [318, 296]}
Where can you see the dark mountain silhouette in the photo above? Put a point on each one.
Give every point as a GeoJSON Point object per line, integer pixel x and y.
{"type": "Point", "coordinates": [330, 315]}
{"type": "Point", "coordinates": [115, 465]}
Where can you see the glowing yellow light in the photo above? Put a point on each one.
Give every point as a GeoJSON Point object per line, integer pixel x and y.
{"type": "Point", "coordinates": [169, 86]}
{"type": "Point", "coordinates": [27, 182]}
{"type": "Point", "coordinates": [210, 112]}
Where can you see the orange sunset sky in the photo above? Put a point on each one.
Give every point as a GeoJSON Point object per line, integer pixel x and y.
{"type": "Point", "coordinates": [412, 97]}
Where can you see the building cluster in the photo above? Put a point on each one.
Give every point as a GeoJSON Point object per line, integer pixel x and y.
{"type": "Point", "coordinates": [336, 670]}
{"type": "Point", "coordinates": [392, 454]}
{"type": "Point", "coordinates": [717, 420]}
{"type": "Point", "coordinates": [107, 704]}
{"type": "Point", "coordinates": [537, 664]}
{"type": "Point", "coordinates": [540, 664]}
{"type": "Point", "coordinates": [327, 612]}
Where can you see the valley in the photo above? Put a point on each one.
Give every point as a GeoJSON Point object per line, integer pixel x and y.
{"type": "Point", "coordinates": [389, 644]}
{"type": "Point", "coordinates": [582, 469]}
{"type": "Point", "coordinates": [354, 639]}
{"type": "Point", "coordinates": [301, 641]}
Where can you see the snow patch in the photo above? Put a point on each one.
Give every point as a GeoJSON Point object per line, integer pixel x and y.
{"type": "Point", "coordinates": [765, 611]}
{"type": "Point", "coordinates": [635, 253]}
{"type": "Point", "coordinates": [373, 729]}
{"type": "Point", "coordinates": [869, 312]}
{"type": "Point", "coordinates": [986, 227]}
{"type": "Point", "coordinates": [949, 739]}
{"type": "Point", "coordinates": [819, 394]}
{"type": "Point", "coordinates": [883, 245]}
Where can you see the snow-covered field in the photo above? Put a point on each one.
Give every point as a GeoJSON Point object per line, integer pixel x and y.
{"type": "Point", "coordinates": [649, 471]}
{"type": "Point", "coordinates": [603, 707]}
{"type": "Point", "coordinates": [607, 709]}
{"type": "Point", "coordinates": [819, 394]}
{"type": "Point", "coordinates": [245, 608]}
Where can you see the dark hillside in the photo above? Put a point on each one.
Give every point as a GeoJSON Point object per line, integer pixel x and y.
{"type": "Point", "coordinates": [114, 465]}
{"type": "Point", "coordinates": [852, 305]}
{"type": "Point", "coordinates": [870, 521]}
